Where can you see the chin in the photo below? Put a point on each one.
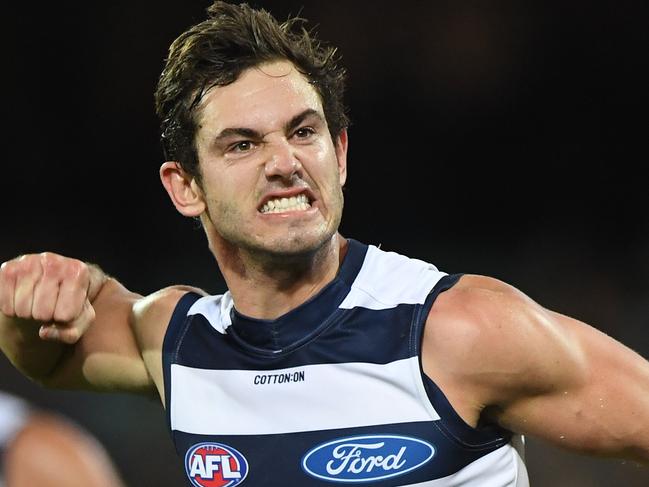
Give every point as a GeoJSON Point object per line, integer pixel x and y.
{"type": "Point", "coordinates": [270, 242]}
{"type": "Point", "coordinates": [296, 245]}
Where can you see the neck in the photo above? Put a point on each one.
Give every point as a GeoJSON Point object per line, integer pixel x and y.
{"type": "Point", "coordinates": [267, 287]}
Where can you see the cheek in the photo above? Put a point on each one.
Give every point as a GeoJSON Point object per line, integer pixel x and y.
{"type": "Point", "coordinates": [233, 192]}
{"type": "Point", "coordinates": [327, 164]}
{"type": "Point", "coordinates": [224, 217]}
{"type": "Point", "coordinates": [224, 185]}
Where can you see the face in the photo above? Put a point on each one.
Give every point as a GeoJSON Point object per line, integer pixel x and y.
{"type": "Point", "coordinates": [271, 175]}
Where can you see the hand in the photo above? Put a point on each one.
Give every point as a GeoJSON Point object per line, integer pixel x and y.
{"type": "Point", "coordinates": [50, 289]}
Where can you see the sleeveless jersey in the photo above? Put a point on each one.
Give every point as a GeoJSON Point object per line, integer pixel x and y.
{"type": "Point", "coordinates": [332, 392]}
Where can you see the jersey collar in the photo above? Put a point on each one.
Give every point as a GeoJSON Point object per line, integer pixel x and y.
{"type": "Point", "coordinates": [301, 323]}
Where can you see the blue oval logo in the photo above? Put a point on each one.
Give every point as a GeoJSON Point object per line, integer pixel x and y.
{"type": "Point", "coordinates": [367, 458]}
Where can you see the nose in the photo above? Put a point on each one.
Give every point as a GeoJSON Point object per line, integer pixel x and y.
{"type": "Point", "coordinates": [281, 161]}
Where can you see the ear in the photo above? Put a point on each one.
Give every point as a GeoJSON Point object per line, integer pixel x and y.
{"type": "Point", "coordinates": [341, 154]}
{"type": "Point", "coordinates": [184, 191]}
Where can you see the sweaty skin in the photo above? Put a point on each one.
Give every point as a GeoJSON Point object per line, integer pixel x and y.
{"type": "Point", "coordinates": [497, 354]}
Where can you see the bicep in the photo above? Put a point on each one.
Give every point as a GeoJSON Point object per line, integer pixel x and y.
{"type": "Point", "coordinates": [592, 391]}
{"type": "Point", "coordinates": [500, 355]}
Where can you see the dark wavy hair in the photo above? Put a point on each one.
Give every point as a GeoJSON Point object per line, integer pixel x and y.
{"type": "Point", "coordinates": [216, 51]}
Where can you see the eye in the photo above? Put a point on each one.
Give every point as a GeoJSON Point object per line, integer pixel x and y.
{"type": "Point", "coordinates": [241, 146]}
{"type": "Point", "coordinates": [304, 132]}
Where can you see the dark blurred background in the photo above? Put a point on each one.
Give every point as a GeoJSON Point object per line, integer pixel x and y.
{"type": "Point", "coordinates": [499, 138]}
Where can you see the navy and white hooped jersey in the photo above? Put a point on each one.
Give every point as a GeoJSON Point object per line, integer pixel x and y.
{"type": "Point", "coordinates": [330, 393]}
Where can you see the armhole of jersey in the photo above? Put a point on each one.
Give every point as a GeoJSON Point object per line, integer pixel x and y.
{"type": "Point", "coordinates": [484, 436]}
{"type": "Point", "coordinates": [176, 325]}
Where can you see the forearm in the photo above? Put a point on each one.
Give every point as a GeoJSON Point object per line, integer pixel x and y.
{"type": "Point", "coordinates": [20, 342]}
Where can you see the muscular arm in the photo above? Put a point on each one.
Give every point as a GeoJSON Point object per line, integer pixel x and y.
{"type": "Point", "coordinates": [502, 356]}
{"type": "Point", "coordinates": [67, 325]}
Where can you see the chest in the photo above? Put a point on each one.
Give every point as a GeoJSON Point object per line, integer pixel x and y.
{"type": "Point", "coordinates": [347, 405]}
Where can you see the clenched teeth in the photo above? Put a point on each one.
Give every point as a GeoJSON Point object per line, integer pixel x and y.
{"type": "Point", "coordinates": [280, 205]}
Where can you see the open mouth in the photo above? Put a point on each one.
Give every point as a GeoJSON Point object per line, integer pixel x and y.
{"type": "Point", "coordinates": [299, 202]}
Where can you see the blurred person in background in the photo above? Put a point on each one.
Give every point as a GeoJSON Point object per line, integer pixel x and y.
{"type": "Point", "coordinates": [39, 448]}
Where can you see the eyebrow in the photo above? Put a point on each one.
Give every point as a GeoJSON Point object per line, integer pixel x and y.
{"type": "Point", "coordinates": [300, 117]}
{"type": "Point", "coordinates": [254, 134]}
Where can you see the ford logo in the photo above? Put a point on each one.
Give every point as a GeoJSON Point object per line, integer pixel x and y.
{"type": "Point", "coordinates": [366, 458]}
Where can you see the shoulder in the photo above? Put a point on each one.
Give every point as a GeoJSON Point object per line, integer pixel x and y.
{"type": "Point", "coordinates": [488, 333]}
{"type": "Point", "coordinates": [151, 314]}
{"type": "Point", "coordinates": [480, 305]}
{"type": "Point", "coordinates": [162, 302]}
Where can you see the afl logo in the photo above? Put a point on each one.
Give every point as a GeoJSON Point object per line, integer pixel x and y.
{"type": "Point", "coordinates": [367, 458]}
{"type": "Point", "coordinates": [215, 465]}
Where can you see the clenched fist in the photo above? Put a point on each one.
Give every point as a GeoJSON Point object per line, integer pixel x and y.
{"type": "Point", "coordinates": [51, 289]}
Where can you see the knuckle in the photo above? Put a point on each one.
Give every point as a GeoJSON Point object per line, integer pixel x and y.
{"type": "Point", "coordinates": [7, 272]}
{"type": "Point", "coordinates": [51, 264]}
{"type": "Point", "coordinates": [25, 266]}
{"type": "Point", "coordinates": [9, 269]}
{"type": "Point", "coordinates": [27, 261]}
{"type": "Point", "coordinates": [46, 256]}
{"type": "Point", "coordinates": [76, 270]}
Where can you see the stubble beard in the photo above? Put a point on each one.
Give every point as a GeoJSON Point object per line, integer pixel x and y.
{"type": "Point", "coordinates": [297, 249]}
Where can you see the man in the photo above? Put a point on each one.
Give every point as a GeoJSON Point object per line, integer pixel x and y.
{"type": "Point", "coordinates": [327, 360]}
{"type": "Point", "coordinates": [41, 448]}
